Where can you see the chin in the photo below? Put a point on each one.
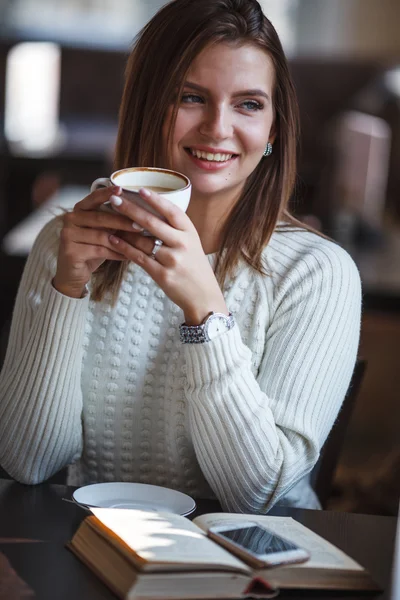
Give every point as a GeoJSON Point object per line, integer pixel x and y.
{"type": "Point", "coordinates": [210, 190]}
{"type": "Point", "coordinates": [210, 185]}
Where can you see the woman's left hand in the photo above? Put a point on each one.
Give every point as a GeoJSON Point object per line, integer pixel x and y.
{"type": "Point", "coordinates": [180, 267]}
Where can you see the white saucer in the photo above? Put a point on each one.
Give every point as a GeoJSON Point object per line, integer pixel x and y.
{"type": "Point", "coordinates": [135, 495]}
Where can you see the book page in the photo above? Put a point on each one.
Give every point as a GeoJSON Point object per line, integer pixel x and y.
{"type": "Point", "coordinates": [164, 539]}
{"type": "Point", "coordinates": [323, 554]}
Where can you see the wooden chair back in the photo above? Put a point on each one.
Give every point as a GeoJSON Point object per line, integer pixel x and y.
{"type": "Point", "coordinates": [323, 473]}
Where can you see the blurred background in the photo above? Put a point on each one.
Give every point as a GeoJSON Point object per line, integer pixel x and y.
{"type": "Point", "coordinates": [61, 78]}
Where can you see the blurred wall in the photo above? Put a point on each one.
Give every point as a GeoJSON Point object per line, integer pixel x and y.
{"type": "Point", "coordinates": [351, 28]}
{"type": "Point", "coordinates": [152, 6]}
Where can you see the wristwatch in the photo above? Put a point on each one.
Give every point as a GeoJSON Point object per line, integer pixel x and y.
{"type": "Point", "coordinates": [213, 325]}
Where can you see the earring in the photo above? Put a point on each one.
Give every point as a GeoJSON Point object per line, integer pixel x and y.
{"type": "Point", "coordinates": [268, 150]}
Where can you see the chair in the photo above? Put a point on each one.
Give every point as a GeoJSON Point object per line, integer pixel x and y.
{"type": "Point", "coordinates": [323, 473]}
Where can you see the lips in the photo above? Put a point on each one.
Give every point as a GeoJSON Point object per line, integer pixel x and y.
{"type": "Point", "coordinates": [211, 156]}
{"type": "Point", "coordinates": [212, 161]}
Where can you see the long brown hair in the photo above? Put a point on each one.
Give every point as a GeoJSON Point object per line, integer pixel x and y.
{"type": "Point", "coordinates": [155, 76]}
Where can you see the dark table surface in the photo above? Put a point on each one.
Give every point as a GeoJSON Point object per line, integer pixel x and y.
{"type": "Point", "coordinates": [35, 524]}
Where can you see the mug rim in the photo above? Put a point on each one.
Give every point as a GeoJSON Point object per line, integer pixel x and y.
{"type": "Point", "coordinates": [153, 169]}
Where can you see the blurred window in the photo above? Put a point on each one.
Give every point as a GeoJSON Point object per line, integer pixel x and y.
{"type": "Point", "coordinates": [101, 23]}
{"type": "Point", "coordinates": [283, 15]}
{"type": "Point", "coordinates": [111, 23]}
{"type": "Point", "coordinates": [392, 80]}
{"type": "Point", "coordinates": [32, 94]}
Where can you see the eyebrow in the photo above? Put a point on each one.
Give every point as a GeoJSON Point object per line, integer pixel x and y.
{"type": "Point", "coordinates": [252, 92]}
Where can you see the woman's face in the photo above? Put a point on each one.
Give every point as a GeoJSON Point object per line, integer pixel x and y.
{"type": "Point", "coordinates": [224, 119]}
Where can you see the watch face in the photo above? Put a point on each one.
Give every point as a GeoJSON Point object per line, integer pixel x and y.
{"type": "Point", "coordinates": [215, 326]}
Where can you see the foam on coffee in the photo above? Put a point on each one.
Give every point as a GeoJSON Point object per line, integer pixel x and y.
{"type": "Point", "coordinates": [153, 188]}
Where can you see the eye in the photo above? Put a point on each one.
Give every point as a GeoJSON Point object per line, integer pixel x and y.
{"type": "Point", "coordinates": [252, 105]}
{"type": "Point", "coordinates": [191, 99]}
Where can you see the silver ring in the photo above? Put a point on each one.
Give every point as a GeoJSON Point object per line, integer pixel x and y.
{"type": "Point", "coordinates": [157, 245]}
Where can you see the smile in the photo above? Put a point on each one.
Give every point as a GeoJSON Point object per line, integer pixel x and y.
{"type": "Point", "coordinates": [219, 157]}
{"type": "Point", "coordinates": [210, 161]}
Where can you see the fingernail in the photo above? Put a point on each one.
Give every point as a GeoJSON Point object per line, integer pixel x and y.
{"type": "Point", "coordinates": [137, 227]}
{"type": "Point", "coordinates": [115, 201]}
{"type": "Point", "coordinates": [145, 193]}
{"type": "Point", "coordinates": [116, 189]}
{"type": "Point", "coordinates": [113, 239]}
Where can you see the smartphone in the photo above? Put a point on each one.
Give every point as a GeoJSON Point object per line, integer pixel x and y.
{"type": "Point", "coordinates": [256, 545]}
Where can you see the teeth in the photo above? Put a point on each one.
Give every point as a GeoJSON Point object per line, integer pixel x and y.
{"type": "Point", "coordinates": [211, 157]}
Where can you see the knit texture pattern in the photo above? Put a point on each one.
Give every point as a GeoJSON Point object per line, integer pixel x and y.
{"type": "Point", "coordinates": [111, 391]}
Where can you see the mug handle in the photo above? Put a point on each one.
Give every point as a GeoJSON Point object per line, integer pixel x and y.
{"type": "Point", "coordinates": [101, 182]}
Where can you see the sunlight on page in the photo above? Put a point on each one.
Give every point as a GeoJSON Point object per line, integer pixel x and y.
{"type": "Point", "coordinates": [156, 537]}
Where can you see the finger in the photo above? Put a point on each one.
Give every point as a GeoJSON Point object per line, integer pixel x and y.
{"type": "Point", "coordinates": [87, 253]}
{"type": "Point", "coordinates": [88, 237]}
{"type": "Point", "coordinates": [97, 219]}
{"type": "Point", "coordinates": [90, 244]}
{"type": "Point", "coordinates": [98, 197]}
{"type": "Point", "coordinates": [110, 255]}
{"type": "Point", "coordinates": [145, 244]}
{"type": "Point", "coordinates": [153, 267]}
{"type": "Point", "coordinates": [151, 223]}
{"type": "Point", "coordinates": [174, 215]}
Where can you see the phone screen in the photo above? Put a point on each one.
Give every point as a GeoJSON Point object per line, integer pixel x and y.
{"type": "Point", "coordinates": [258, 540]}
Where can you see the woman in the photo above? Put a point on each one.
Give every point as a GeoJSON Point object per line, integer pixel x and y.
{"type": "Point", "coordinates": [102, 380]}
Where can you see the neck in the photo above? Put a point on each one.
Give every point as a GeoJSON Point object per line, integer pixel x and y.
{"type": "Point", "coordinates": [209, 215]}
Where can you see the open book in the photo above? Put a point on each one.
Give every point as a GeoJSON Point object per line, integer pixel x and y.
{"type": "Point", "coordinates": [142, 555]}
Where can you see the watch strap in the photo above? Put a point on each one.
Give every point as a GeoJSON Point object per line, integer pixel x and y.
{"type": "Point", "coordinates": [192, 334]}
{"type": "Point", "coordinates": [196, 334]}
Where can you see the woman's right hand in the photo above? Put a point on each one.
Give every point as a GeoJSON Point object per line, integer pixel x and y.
{"type": "Point", "coordinates": [84, 241]}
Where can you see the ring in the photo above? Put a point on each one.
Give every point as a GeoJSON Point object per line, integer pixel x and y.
{"type": "Point", "coordinates": [157, 245]}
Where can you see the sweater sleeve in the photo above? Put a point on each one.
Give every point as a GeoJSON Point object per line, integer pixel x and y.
{"type": "Point", "coordinates": [40, 394]}
{"type": "Point", "coordinates": [255, 437]}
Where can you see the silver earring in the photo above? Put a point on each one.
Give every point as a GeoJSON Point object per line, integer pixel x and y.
{"type": "Point", "coordinates": [268, 150]}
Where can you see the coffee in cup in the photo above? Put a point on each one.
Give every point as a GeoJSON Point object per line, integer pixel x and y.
{"type": "Point", "coordinates": [171, 184]}
{"type": "Point", "coordinates": [152, 188]}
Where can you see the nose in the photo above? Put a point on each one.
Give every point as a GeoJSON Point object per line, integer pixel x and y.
{"type": "Point", "coordinates": [217, 123]}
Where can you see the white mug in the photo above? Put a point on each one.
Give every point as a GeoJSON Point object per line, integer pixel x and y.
{"type": "Point", "coordinates": [171, 184]}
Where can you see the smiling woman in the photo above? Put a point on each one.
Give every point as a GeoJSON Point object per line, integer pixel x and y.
{"type": "Point", "coordinates": [213, 355]}
{"type": "Point", "coordinates": [222, 125]}
{"type": "Point", "coordinates": [223, 51]}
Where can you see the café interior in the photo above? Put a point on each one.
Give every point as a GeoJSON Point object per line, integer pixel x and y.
{"type": "Point", "coordinates": [61, 78]}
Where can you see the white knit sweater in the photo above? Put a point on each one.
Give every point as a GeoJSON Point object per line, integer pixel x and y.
{"type": "Point", "coordinates": [113, 390]}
